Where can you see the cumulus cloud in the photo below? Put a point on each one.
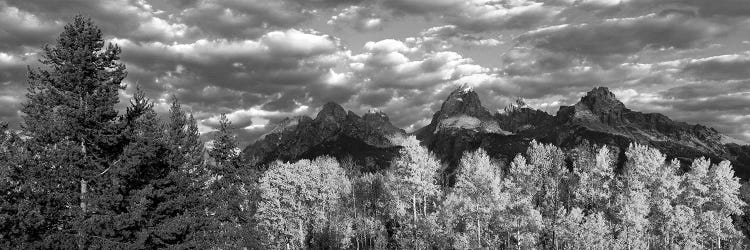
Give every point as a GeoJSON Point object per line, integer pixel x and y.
{"type": "Point", "coordinates": [402, 78]}
{"type": "Point", "coordinates": [361, 18]}
{"type": "Point", "coordinates": [138, 20]}
{"type": "Point", "coordinates": [259, 61]}
{"type": "Point", "coordinates": [280, 64]}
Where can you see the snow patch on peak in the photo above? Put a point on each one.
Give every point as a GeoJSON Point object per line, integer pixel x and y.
{"type": "Point", "coordinates": [466, 88]}
{"type": "Point", "coordinates": [517, 105]}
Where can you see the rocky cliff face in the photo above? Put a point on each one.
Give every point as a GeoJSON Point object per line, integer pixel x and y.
{"type": "Point", "coordinates": [458, 126]}
{"type": "Point", "coordinates": [463, 124]}
{"type": "Point", "coordinates": [600, 112]}
{"type": "Point", "coordinates": [334, 131]}
{"type": "Point", "coordinates": [599, 117]}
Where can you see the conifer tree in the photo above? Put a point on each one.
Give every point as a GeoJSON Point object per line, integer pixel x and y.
{"type": "Point", "coordinates": [19, 214]}
{"type": "Point", "coordinates": [177, 133]}
{"type": "Point", "coordinates": [223, 151]}
{"type": "Point", "coordinates": [147, 203]}
{"type": "Point", "coordinates": [71, 123]}
{"type": "Point", "coordinates": [228, 191]}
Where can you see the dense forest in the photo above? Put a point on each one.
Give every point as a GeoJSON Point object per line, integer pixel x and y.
{"type": "Point", "coordinates": [80, 174]}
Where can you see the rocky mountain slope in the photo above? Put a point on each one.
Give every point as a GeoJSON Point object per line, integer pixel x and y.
{"type": "Point", "coordinates": [463, 124]}
{"type": "Point", "coordinates": [334, 131]}
{"type": "Point", "coordinates": [597, 118]}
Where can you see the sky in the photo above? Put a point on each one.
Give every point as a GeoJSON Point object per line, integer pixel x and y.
{"type": "Point", "coordinates": [260, 61]}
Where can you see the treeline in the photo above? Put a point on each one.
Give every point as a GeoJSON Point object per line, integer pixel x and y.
{"type": "Point", "coordinates": [79, 174]}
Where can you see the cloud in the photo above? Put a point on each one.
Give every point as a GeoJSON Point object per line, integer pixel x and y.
{"type": "Point", "coordinates": [277, 72]}
{"type": "Point", "coordinates": [726, 8]}
{"type": "Point", "coordinates": [20, 29]}
{"type": "Point", "coordinates": [361, 18]}
{"type": "Point", "coordinates": [625, 36]}
{"type": "Point", "coordinates": [137, 20]}
{"type": "Point", "coordinates": [485, 15]}
{"type": "Point", "coordinates": [403, 78]}
{"type": "Point", "coordinates": [724, 67]}
{"type": "Point", "coordinates": [471, 16]}
{"type": "Point", "coordinates": [423, 6]}
{"type": "Point", "coordinates": [449, 36]}
{"type": "Point", "coordinates": [395, 64]}
{"type": "Point", "coordinates": [259, 60]}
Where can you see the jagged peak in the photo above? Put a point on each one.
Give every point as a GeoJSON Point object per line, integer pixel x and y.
{"type": "Point", "coordinates": [375, 111]}
{"type": "Point", "coordinates": [465, 88]}
{"type": "Point", "coordinates": [463, 101]}
{"type": "Point", "coordinates": [375, 114]}
{"type": "Point", "coordinates": [332, 110]}
{"type": "Point", "coordinates": [516, 105]}
{"type": "Point", "coordinates": [601, 99]}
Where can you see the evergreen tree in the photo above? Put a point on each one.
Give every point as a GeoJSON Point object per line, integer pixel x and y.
{"type": "Point", "coordinates": [224, 149]}
{"type": "Point", "coordinates": [71, 123]}
{"type": "Point", "coordinates": [230, 193]}
{"type": "Point", "coordinates": [148, 202]}
{"type": "Point", "coordinates": [19, 214]}
{"type": "Point", "coordinates": [177, 133]}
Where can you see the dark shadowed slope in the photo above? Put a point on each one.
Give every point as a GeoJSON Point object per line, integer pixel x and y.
{"type": "Point", "coordinates": [334, 131]}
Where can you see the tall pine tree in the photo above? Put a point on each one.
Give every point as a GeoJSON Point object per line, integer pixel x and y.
{"type": "Point", "coordinates": [71, 122]}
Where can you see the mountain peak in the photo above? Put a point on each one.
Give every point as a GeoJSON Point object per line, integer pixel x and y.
{"type": "Point", "coordinates": [331, 110]}
{"type": "Point", "coordinates": [517, 105]}
{"type": "Point", "coordinates": [463, 101]}
{"type": "Point", "coordinates": [465, 88]}
{"type": "Point", "coordinates": [602, 101]}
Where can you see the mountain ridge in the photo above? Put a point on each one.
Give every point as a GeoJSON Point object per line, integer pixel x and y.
{"type": "Point", "coordinates": [463, 124]}
{"type": "Point", "coordinates": [333, 131]}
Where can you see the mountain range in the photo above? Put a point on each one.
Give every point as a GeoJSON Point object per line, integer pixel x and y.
{"type": "Point", "coordinates": [463, 124]}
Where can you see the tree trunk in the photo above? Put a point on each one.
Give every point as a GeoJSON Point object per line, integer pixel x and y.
{"type": "Point", "coordinates": [479, 233]}
{"type": "Point", "coordinates": [84, 209]}
{"type": "Point", "coordinates": [84, 190]}
{"type": "Point", "coordinates": [414, 207]}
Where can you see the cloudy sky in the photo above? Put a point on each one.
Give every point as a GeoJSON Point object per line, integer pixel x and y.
{"type": "Point", "coordinates": [262, 60]}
